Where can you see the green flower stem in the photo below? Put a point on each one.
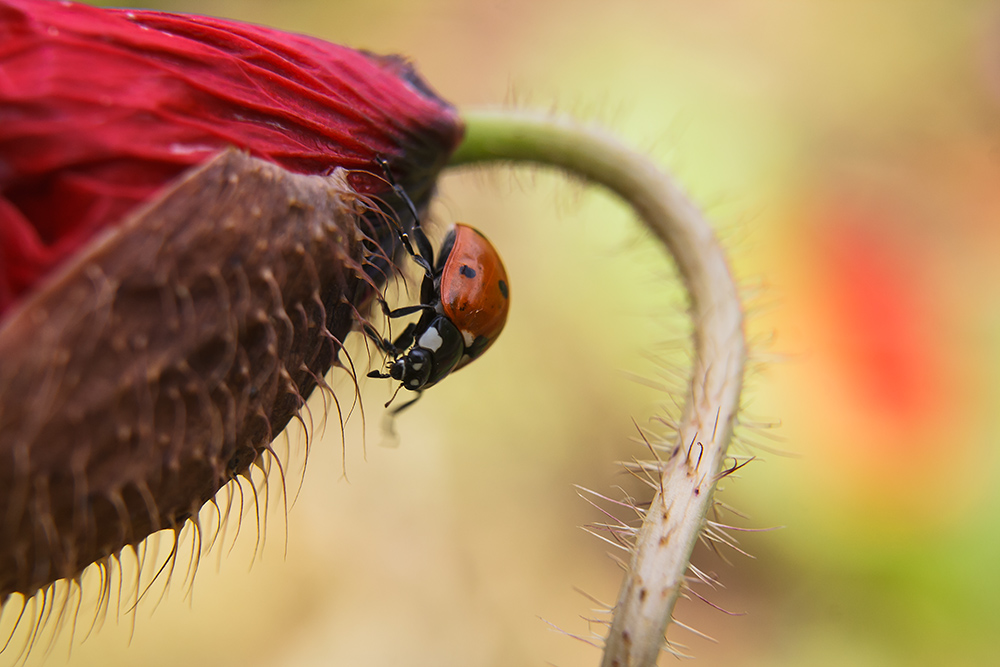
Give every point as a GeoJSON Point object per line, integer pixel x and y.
{"type": "Point", "coordinates": [688, 467]}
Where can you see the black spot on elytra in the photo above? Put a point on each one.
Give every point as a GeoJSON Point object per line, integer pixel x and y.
{"type": "Point", "coordinates": [503, 289]}
{"type": "Point", "coordinates": [467, 271]}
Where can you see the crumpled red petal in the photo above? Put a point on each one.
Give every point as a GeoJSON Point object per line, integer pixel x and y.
{"type": "Point", "coordinates": [100, 108]}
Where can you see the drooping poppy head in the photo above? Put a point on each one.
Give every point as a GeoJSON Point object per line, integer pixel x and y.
{"type": "Point", "coordinates": [167, 304]}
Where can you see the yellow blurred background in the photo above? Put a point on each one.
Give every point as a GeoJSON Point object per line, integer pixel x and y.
{"type": "Point", "coordinates": [849, 153]}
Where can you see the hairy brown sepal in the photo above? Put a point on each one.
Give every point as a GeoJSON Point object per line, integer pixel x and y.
{"type": "Point", "coordinates": [165, 357]}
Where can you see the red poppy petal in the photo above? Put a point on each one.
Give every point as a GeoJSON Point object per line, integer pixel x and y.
{"type": "Point", "coordinates": [100, 108]}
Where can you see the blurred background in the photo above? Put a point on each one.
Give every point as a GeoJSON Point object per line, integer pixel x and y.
{"type": "Point", "coordinates": [849, 154]}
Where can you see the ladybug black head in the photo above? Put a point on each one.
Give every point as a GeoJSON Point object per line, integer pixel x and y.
{"type": "Point", "coordinates": [413, 369]}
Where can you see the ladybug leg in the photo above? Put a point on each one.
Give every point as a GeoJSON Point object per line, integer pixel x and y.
{"type": "Point", "coordinates": [405, 339]}
{"type": "Point", "coordinates": [404, 310]}
{"type": "Point", "coordinates": [426, 257]}
{"type": "Point", "coordinates": [409, 310]}
{"type": "Point", "coordinates": [392, 348]}
{"type": "Point", "coordinates": [424, 254]}
{"type": "Point", "coordinates": [383, 344]}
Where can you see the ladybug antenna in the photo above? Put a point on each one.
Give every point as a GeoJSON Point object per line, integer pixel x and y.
{"type": "Point", "coordinates": [389, 402]}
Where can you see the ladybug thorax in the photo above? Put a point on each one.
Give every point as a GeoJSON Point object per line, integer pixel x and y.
{"type": "Point", "coordinates": [436, 351]}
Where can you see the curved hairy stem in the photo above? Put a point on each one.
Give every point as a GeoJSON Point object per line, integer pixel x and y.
{"type": "Point", "coordinates": [690, 466]}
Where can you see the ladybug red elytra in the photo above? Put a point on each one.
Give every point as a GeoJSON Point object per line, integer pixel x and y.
{"type": "Point", "coordinates": [464, 299]}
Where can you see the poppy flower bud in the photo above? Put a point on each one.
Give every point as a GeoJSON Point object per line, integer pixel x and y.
{"type": "Point", "coordinates": [168, 303]}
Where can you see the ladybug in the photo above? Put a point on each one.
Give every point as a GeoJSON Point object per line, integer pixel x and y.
{"type": "Point", "coordinates": [464, 299]}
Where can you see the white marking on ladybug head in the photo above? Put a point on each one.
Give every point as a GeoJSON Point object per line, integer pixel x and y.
{"type": "Point", "coordinates": [417, 365]}
{"type": "Point", "coordinates": [414, 382]}
{"type": "Point", "coordinates": [430, 340]}
{"type": "Point", "coordinates": [468, 337]}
